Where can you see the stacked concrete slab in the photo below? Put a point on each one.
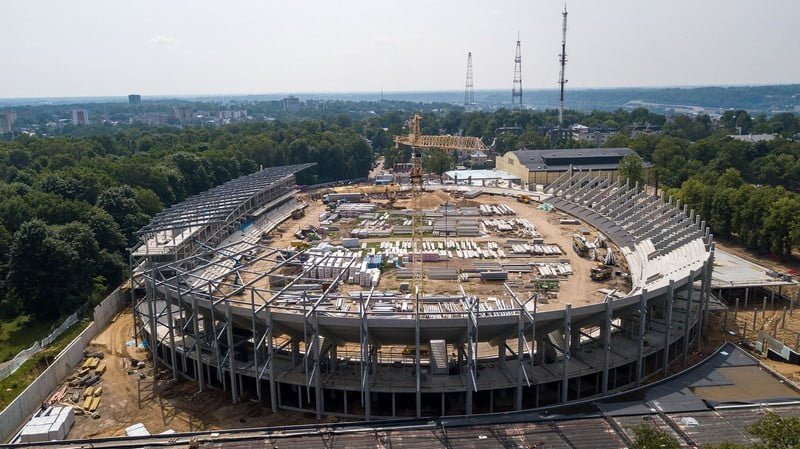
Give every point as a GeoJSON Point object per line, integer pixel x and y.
{"type": "Point", "coordinates": [51, 424]}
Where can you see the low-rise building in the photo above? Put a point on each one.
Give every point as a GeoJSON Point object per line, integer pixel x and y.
{"type": "Point", "coordinates": [478, 158]}
{"type": "Point", "coordinates": [541, 167]}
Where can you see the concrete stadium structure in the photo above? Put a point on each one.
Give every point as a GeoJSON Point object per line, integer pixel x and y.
{"type": "Point", "coordinates": [217, 309]}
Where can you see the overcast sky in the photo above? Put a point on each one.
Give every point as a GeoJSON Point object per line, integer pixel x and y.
{"type": "Point", "coordinates": [154, 47]}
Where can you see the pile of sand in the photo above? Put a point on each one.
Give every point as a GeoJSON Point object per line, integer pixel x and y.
{"type": "Point", "coordinates": [430, 200]}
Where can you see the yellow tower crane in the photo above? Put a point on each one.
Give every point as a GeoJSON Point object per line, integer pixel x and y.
{"type": "Point", "coordinates": [417, 141]}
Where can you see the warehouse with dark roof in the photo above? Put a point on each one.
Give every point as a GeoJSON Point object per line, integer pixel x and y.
{"type": "Point", "coordinates": [541, 167]}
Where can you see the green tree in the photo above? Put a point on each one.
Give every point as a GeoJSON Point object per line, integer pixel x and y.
{"type": "Point", "coordinates": [780, 223]}
{"type": "Point", "coordinates": [148, 201]}
{"type": "Point", "coordinates": [13, 212]}
{"type": "Point", "coordinates": [45, 274]}
{"type": "Point", "coordinates": [646, 436]}
{"type": "Point", "coordinates": [120, 203]}
{"type": "Point", "coordinates": [437, 161]}
{"type": "Point", "coordinates": [631, 169]}
{"type": "Point", "coordinates": [774, 431]}
{"type": "Point", "coordinates": [19, 158]}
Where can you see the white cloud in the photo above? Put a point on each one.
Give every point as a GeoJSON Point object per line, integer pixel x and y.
{"type": "Point", "coordinates": [162, 40]}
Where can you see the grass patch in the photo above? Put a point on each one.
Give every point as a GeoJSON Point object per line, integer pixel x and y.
{"type": "Point", "coordinates": [13, 385]}
{"type": "Point", "coordinates": [20, 333]}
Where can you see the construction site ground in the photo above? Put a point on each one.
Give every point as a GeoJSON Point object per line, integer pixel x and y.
{"type": "Point", "coordinates": [127, 399]}
{"type": "Point", "coordinates": [577, 289]}
{"type": "Point", "coordinates": [770, 321]}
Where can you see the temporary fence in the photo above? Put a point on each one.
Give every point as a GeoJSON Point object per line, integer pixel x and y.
{"type": "Point", "coordinates": [21, 408]}
{"type": "Point", "coordinates": [10, 367]}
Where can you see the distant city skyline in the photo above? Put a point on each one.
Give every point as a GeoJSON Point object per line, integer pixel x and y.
{"type": "Point", "coordinates": [183, 48]}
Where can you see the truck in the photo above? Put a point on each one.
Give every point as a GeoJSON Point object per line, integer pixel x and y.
{"type": "Point", "coordinates": [580, 245]}
{"type": "Point", "coordinates": [600, 272]}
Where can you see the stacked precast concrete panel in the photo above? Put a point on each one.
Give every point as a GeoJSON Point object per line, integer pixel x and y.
{"type": "Point", "coordinates": [359, 354]}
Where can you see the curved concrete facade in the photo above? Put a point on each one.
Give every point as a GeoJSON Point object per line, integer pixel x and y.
{"type": "Point", "coordinates": [292, 348]}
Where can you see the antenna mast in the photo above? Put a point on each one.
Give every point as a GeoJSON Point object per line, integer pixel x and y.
{"type": "Point", "coordinates": [563, 60]}
{"type": "Point", "coordinates": [517, 89]}
{"type": "Point", "coordinates": [469, 93]}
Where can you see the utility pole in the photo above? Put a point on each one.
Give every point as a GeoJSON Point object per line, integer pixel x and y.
{"type": "Point", "coordinates": [516, 91]}
{"type": "Point", "coordinates": [469, 93]}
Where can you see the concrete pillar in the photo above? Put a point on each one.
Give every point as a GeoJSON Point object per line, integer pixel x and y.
{"type": "Point", "coordinates": [668, 326]}
{"type": "Point", "coordinates": [642, 327]}
{"type": "Point", "coordinates": [334, 356]}
{"type": "Point", "coordinates": [575, 341]}
{"type": "Point", "coordinates": [605, 335]}
{"type": "Point", "coordinates": [295, 351]}
{"type": "Point", "coordinates": [687, 325]}
{"type": "Point", "coordinates": [540, 349]}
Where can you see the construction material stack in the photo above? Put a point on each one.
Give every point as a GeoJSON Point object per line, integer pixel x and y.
{"type": "Point", "coordinates": [50, 424]}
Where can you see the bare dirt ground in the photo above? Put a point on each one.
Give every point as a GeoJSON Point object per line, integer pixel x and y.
{"type": "Point", "coordinates": [127, 400]}
{"type": "Point", "coordinates": [772, 322]}
{"type": "Point", "coordinates": [771, 319]}
{"type": "Point", "coordinates": [547, 223]}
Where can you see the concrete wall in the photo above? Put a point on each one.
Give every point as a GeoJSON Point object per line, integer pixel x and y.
{"type": "Point", "coordinates": [20, 410]}
{"type": "Point", "coordinates": [510, 164]}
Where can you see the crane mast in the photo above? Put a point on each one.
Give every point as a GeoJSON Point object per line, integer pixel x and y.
{"type": "Point", "coordinates": [417, 141]}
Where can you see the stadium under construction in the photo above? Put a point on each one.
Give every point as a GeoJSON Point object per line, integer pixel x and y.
{"type": "Point", "coordinates": [314, 328]}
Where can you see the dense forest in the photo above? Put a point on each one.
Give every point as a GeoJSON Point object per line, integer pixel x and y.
{"type": "Point", "coordinates": [748, 192]}
{"type": "Point", "coordinates": [70, 205]}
